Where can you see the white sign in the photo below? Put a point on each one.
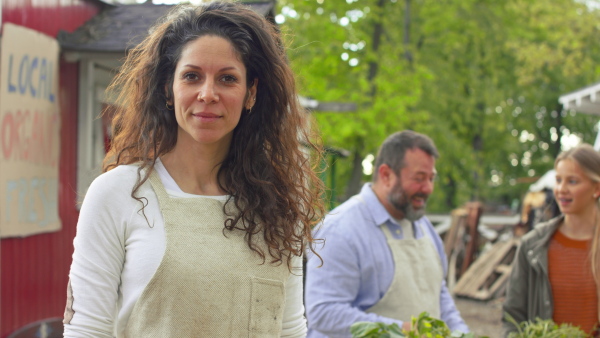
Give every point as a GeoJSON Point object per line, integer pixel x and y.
{"type": "Point", "coordinates": [29, 132]}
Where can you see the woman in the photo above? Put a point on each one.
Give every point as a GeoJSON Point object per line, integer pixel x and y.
{"type": "Point", "coordinates": [555, 272]}
{"type": "Point", "coordinates": [198, 225]}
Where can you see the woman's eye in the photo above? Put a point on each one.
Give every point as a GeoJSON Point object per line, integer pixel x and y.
{"type": "Point", "coordinates": [229, 78]}
{"type": "Point", "coordinates": [190, 76]}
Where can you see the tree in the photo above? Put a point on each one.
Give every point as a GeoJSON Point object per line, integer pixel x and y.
{"type": "Point", "coordinates": [484, 88]}
{"type": "Point", "coordinates": [344, 52]}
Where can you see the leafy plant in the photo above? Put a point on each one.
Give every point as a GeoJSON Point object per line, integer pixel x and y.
{"type": "Point", "coordinates": [421, 326]}
{"type": "Point", "coordinates": [544, 328]}
{"type": "Point", "coordinates": [375, 330]}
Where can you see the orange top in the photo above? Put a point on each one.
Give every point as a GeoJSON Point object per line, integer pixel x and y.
{"type": "Point", "coordinates": [573, 286]}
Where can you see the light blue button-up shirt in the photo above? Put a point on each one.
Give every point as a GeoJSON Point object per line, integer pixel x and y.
{"type": "Point", "coordinates": [358, 268]}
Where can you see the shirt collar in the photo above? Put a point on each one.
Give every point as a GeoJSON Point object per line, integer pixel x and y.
{"type": "Point", "coordinates": [378, 212]}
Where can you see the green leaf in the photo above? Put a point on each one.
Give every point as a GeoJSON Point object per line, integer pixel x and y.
{"type": "Point", "coordinates": [364, 329]}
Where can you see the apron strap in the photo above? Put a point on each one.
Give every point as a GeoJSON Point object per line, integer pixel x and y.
{"type": "Point", "coordinates": [159, 188]}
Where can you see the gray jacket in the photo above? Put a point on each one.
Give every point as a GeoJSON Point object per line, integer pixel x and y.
{"type": "Point", "coordinates": [528, 295]}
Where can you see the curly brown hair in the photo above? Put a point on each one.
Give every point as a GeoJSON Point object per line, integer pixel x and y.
{"type": "Point", "coordinates": [267, 172]}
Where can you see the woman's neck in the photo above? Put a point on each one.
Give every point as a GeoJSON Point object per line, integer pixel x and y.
{"type": "Point", "coordinates": [195, 169]}
{"type": "Point", "coordinates": [580, 226]}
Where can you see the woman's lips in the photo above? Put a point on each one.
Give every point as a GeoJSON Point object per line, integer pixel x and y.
{"type": "Point", "coordinates": [564, 201]}
{"type": "Point", "coordinates": [206, 117]}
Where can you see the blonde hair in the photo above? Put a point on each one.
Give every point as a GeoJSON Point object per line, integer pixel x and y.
{"type": "Point", "coordinates": [588, 160]}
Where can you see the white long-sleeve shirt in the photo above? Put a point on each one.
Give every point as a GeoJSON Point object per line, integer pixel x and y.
{"type": "Point", "coordinates": [118, 249]}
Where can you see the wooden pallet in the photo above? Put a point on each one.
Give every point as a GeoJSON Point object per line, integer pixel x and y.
{"type": "Point", "coordinates": [487, 276]}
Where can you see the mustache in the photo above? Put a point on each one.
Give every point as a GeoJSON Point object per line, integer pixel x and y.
{"type": "Point", "coordinates": [422, 195]}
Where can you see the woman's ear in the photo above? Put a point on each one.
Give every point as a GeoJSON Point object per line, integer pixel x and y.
{"type": "Point", "coordinates": [252, 92]}
{"type": "Point", "coordinates": [168, 95]}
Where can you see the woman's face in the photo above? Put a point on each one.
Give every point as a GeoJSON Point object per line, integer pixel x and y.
{"type": "Point", "coordinates": [574, 190]}
{"type": "Point", "coordinates": [209, 92]}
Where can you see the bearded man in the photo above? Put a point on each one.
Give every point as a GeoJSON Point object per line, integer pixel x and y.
{"type": "Point", "coordinates": [382, 260]}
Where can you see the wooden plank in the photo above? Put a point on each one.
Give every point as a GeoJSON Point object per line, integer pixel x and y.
{"type": "Point", "coordinates": [450, 239]}
{"type": "Point", "coordinates": [503, 278]}
{"type": "Point", "coordinates": [454, 245]}
{"type": "Point", "coordinates": [474, 210]}
{"type": "Point", "coordinates": [489, 273]}
{"type": "Point", "coordinates": [483, 267]}
{"type": "Point", "coordinates": [503, 268]}
{"type": "Point", "coordinates": [473, 282]}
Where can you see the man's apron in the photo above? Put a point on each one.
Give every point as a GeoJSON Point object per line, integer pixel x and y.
{"type": "Point", "coordinates": [418, 277]}
{"type": "Point", "coordinates": [209, 283]}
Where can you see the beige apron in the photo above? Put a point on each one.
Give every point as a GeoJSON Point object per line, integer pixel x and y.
{"type": "Point", "coordinates": [418, 276]}
{"type": "Point", "coordinates": [209, 283]}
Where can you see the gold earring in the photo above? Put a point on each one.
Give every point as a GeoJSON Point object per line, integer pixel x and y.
{"type": "Point", "coordinates": [169, 107]}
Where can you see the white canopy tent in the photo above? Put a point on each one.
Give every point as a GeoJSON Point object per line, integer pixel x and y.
{"type": "Point", "coordinates": [547, 181]}
{"type": "Point", "coordinates": [585, 100]}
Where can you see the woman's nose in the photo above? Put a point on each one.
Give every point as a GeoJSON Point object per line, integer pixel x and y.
{"type": "Point", "coordinates": [560, 186]}
{"type": "Point", "coordinates": [207, 93]}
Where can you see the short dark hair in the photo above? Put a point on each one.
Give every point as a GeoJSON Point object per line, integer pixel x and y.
{"type": "Point", "coordinates": [394, 148]}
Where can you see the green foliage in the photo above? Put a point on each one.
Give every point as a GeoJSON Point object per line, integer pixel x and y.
{"type": "Point", "coordinates": [483, 80]}
{"type": "Point", "coordinates": [375, 330]}
{"type": "Point", "coordinates": [544, 328]}
{"type": "Point", "coordinates": [423, 326]}
{"type": "Point", "coordinates": [426, 326]}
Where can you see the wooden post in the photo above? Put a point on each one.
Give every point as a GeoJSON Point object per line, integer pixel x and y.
{"type": "Point", "coordinates": [474, 210]}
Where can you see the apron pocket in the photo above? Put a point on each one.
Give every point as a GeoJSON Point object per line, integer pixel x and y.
{"type": "Point", "coordinates": [266, 307]}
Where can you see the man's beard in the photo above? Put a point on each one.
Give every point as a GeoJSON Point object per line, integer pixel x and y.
{"type": "Point", "coordinates": [401, 202]}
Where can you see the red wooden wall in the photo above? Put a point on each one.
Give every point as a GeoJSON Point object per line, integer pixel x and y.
{"type": "Point", "coordinates": [49, 16]}
{"type": "Point", "coordinates": [34, 270]}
